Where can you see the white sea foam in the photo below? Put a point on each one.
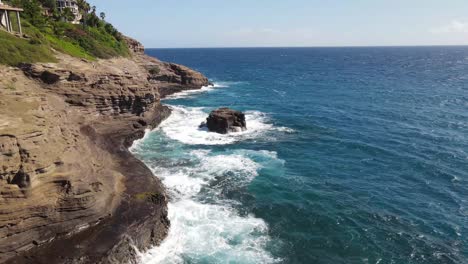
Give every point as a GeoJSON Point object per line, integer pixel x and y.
{"type": "Point", "coordinates": [207, 233]}
{"type": "Point", "coordinates": [210, 232]}
{"type": "Point", "coordinates": [137, 142]}
{"type": "Point", "coordinates": [285, 129]}
{"type": "Point", "coordinates": [187, 181]}
{"type": "Point", "coordinates": [183, 125]}
{"type": "Point", "coordinates": [204, 89]}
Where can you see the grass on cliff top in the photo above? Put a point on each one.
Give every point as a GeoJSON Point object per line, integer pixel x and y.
{"type": "Point", "coordinates": [14, 50]}
{"type": "Point", "coordinates": [89, 44]}
{"type": "Point", "coordinates": [98, 39]}
{"type": "Point", "coordinates": [96, 42]}
{"type": "Point", "coordinates": [68, 48]}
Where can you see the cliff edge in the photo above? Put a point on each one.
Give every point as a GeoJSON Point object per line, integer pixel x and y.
{"type": "Point", "coordinates": [70, 191]}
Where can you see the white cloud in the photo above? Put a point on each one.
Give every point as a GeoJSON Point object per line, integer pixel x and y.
{"type": "Point", "coordinates": [455, 26]}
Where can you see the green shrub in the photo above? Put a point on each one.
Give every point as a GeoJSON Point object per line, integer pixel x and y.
{"type": "Point", "coordinates": [154, 70]}
{"type": "Point", "coordinates": [96, 42]}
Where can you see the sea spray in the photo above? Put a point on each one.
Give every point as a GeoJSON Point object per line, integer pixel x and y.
{"type": "Point", "coordinates": [206, 227]}
{"type": "Point", "coordinates": [183, 125]}
{"type": "Point", "coordinates": [204, 89]}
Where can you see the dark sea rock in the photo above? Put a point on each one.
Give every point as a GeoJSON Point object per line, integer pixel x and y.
{"type": "Point", "coordinates": [225, 120]}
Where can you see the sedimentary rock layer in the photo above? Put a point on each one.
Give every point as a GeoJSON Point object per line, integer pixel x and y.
{"type": "Point", "coordinates": [70, 192]}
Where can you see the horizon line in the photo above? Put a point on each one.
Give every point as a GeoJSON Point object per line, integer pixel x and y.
{"type": "Point", "coordinates": [282, 47]}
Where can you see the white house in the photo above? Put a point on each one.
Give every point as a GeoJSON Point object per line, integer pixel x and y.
{"type": "Point", "coordinates": [62, 4]}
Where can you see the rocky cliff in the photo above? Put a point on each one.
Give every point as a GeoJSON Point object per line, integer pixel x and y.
{"type": "Point", "coordinates": [70, 192]}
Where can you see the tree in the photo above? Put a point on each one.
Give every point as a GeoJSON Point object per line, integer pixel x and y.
{"type": "Point", "coordinates": [51, 4]}
{"type": "Point", "coordinates": [68, 15]}
{"type": "Point", "coordinates": [93, 20]}
{"type": "Point", "coordinates": [84, 8]}
{"type": "Point", "coordinates": [32, 12]}
{"type": "Point", "coordinates": [102, 15]}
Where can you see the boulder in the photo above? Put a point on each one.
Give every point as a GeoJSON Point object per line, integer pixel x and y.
{"type": "Point", "coordinates": [225, 120]}
{"type": "Point", "coordinates": [50, 77]}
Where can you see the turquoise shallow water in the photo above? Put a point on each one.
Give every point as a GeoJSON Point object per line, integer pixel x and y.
{"type": "Point", "coordinates": [353, 155]}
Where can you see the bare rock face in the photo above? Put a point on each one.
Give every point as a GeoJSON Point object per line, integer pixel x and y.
{"type": "Point", "coordinates": [134, 46]}
{"type": "Point", "coordinates": [225, 120]}
{"type": "Point", "coordinates": [176, 77]}
{"type": "Point", "coordinates": [10, 158]}
{"type": "Point", "coordinates": [179, 74]}
{"type": "Point", "coordinates": [70, 191]}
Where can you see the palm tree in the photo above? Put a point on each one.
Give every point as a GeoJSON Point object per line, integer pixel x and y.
{"type": "Point", "coordinates": [102, 15]}
{"type": "Point", "coordinates": [84, 8]}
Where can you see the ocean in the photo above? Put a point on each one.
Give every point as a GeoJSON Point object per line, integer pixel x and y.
{"type": "Point", "coordinates": [352, 155]}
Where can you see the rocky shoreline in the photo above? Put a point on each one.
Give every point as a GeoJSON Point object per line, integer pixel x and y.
{"type": "Point", "coordinates": [71, 191]}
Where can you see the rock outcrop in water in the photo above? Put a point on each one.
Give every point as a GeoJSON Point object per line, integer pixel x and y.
{"type": "Point", "coordinates": [70, 190]}
{"type": "Point", "coordinates": [225, 120]}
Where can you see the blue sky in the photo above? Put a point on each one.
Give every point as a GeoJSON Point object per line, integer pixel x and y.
{"type": "Point", "coordinates": [260, 23]}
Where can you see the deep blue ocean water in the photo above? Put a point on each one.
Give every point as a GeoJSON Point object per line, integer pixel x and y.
{"type": "Point", "coordinates": [353, 155]}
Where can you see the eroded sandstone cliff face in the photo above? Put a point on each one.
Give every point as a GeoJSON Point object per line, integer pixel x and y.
{"type": "Point", "coordinates": [70, 192]}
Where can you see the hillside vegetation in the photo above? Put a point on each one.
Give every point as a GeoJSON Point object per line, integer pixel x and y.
{"type": "Point", "coordinates": [14, 50]}
{"type": "Point", "coordinates": [93, 38]}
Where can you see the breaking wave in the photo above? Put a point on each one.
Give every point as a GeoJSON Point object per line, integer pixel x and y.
{"type": "Point", "coordinates": [183, 125]}
{"type": "Point", "coordinates": [205, 227]}
{"type": "Point", "coordinates": [204, 89]}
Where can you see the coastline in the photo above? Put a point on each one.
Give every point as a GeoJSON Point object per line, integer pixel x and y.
{"type": "Point", "coordinates": [134, 215]}
{"type": "Point", "coordinates": [139, 223]}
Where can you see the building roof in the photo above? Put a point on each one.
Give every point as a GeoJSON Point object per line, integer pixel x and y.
{"type": "Point", "coordinates": [9, 8]}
